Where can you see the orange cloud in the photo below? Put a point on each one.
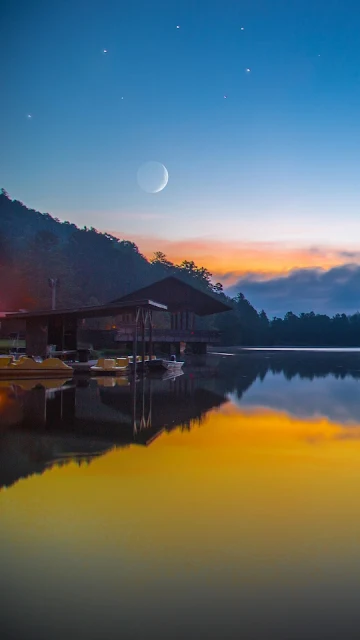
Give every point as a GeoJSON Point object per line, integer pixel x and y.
{"type": "Point", "coordinates": [230, 260]}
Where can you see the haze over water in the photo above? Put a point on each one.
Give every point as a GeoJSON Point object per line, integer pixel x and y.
{"type": "Point", "coordinates": [232, 511]}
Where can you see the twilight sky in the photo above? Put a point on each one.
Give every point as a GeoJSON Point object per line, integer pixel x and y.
{"type": "Point", "coordinates": [252, 106]}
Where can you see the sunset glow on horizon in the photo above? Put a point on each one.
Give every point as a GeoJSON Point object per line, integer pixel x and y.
{"type": "Point", "coordinates": [230, 260]}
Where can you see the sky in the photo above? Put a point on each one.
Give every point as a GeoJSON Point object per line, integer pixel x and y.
{"type": "Point", "coordinates": [252, 107]}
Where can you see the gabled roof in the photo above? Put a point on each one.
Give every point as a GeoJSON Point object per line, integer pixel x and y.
{"type": "Point", "coordinates": [178, 295]}
{"type": "Point", "coordinates": [100, 311]}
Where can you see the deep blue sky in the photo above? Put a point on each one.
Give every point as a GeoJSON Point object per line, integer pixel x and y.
{"type": "Point", "coordinates": [278, 159]}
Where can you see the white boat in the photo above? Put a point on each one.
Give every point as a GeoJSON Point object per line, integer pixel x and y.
{"type": "Point", "coordinates": [161, 364]}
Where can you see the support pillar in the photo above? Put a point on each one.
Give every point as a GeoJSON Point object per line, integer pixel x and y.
{"type": "Point", "coordinates": [150, 335]}
{"type": "Point", "coordinates": [36, 336]}
{"type": "Point", "coordinates": [143, 321]}
{"type": "Point", "coordinates": [135, 341]}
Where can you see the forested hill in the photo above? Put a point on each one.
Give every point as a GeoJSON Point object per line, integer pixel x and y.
{"type": "Point", "coordinates": [92, 267]}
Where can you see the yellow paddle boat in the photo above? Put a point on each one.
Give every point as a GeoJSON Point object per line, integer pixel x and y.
{"type": "Point", "coordinates": [110, 366]}
{"type": "Point", "coordinates": [139, 359]}
{"type": "Point", "coordinates": [28, 368]}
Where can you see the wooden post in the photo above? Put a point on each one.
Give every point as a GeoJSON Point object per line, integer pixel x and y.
{"type": "Point", "coordinates": [149, 420]}
{"type": "Point", "coordinates": [36, 336]}
{"type": "Point", "coordinates": [143, 420]}
{"type": "Point", "coordinates": [135, 340]}
{"type": "Point", "coordinates": [150, 335]}
{"type": "Point", "coordinates": [143, 320]}
{"type": "Point", "coordinates": [134, 404]}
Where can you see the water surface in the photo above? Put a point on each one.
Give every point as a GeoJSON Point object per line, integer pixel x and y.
{"type": "Point", "coordinates": [221, 504]}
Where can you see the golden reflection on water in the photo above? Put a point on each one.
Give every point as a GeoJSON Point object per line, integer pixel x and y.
{"type": "Point", "coordinates": [238, 468]}
{"type": "Point", "coordinates": [251, 499]}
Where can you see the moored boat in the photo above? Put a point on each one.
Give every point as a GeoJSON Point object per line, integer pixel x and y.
{"type": "Point", "coordinates": [161, 364]}
{"type": "Point", "coordinates": [110, 366]}
{"type": "Point", "coordinates": [27, 367]}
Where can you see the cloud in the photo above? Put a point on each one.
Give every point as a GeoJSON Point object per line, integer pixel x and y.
{"type": "Point", "coordinates": [331, 291]}
{"type": "Point", "coordinates": [274, 276]}
{"type": "Point", "coordinates": [350, 255]}
{"type": "Point", "coordinates": [230, 260]}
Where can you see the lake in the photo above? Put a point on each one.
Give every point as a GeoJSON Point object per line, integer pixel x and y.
{"type": "Point", "coordinates": [223, 503]}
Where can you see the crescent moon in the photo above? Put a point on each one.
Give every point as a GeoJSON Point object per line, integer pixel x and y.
{"type": "Point", "coordinates": [165, 180]}
{"type": "Point", "coordinates": [152, 177]}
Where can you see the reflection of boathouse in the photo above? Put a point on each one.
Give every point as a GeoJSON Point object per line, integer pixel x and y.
{"type": "Point", "coordinates": [80, 423]}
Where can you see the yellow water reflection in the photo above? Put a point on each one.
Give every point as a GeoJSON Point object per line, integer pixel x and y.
{"type": "Point", "coordinates": [238, 467]}
{"type": "Point", "coordinates": [250, 499]}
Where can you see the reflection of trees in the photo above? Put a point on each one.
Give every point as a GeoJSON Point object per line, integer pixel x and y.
{"type": "Point", "coordinates": [79, 424]}
{"type": "Point", "coordinates": [238, 373]}
{"type": "Point", "coordinates": [23, 454]}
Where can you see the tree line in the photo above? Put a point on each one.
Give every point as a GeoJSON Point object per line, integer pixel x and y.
{"type": "Point", "coordinates": [93, 268]}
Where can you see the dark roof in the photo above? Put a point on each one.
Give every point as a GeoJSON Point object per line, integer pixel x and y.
{"type": "Point", "coordinates": [99, 311]}
{"type": "Point", "coordinates": [178, 295]}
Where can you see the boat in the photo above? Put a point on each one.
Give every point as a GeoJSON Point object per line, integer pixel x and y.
{"type": "Point", "coordinates": [139, 359]}
{"type": "Point", "coordinates": [27, 367]}
{"type": "Point", "coordinates": [165, 374]}
{"type": "Point", "coordinates": [110, 366]}
{"type": "Point", "coordinates": [82, 367]}
{"type": "Point", "coordinates": [161, 364]}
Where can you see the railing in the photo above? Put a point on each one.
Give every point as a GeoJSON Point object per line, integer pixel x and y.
{"type": "Point", "coordinates": [170, 335]}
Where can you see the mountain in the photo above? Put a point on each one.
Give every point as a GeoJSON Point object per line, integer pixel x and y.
{"type": "Point", "coordinates": [94, 267]}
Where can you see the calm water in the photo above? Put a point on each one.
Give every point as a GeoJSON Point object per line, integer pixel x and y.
{"type": "Point", "coordinates": [222, 504]}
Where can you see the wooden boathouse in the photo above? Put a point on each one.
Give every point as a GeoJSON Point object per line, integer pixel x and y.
{"type": "Point", "coordinates": [59, 328]}
{"type": "Point", "coordinates": [184, 304]}
{"type": "Point", "coordinates": [134, 313]}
